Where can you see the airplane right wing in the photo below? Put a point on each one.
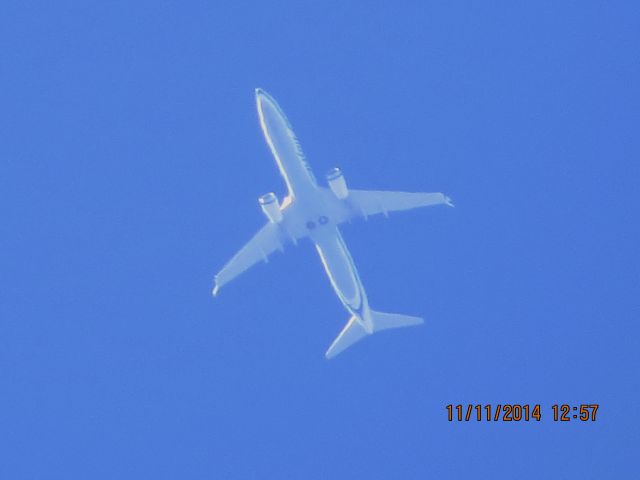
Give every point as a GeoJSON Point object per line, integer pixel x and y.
{"type": "Point", "coordinates": [371, 202]}
{"type": "Point", "coordinates": [269, 238]}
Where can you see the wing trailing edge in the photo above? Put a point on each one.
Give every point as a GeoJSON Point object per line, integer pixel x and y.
{"type": "Point", "coordinates": [372, 202]}
{"type": "Point", "coordinates": [268, 239]}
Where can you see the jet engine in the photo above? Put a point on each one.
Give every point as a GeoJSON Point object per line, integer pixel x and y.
{"type": "Point", "coordinates": [270, 207]}
{"type": "Point", "coordinates": [337, 183]}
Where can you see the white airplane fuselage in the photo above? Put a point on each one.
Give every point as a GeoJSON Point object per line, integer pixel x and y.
{"type": "Point", "coordinates": [309, 208]}
{"type": "Point", "coordinates": [314, 212]}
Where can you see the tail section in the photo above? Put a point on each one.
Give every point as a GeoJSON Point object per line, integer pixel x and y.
{"type": "Point", "coordinates": [384, 321]}
{"type": "Point", "coordinates": [354, 330]}
{"type": "Point", "coordinates": [350, 334]}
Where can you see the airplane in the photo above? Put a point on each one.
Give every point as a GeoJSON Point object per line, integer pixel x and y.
{"type": "Point", "coordinates": [315, 212]}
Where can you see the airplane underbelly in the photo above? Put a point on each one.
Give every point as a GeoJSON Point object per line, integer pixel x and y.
{"type": "Point", "coordinates": [341, 271]}
{"type": "Point", "coordinates": [284, 145]}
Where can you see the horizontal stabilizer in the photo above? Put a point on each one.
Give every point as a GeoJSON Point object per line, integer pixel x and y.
{"type": "Point", "coordinates": [349, 335]}
{"type": "Point", "coordinates": [354, 331]}
{"type": "Point", "coordinates": [384, 321]}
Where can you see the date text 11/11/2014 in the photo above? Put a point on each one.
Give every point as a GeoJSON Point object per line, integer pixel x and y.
{"type": "Point", "coordinates": [513, 412]}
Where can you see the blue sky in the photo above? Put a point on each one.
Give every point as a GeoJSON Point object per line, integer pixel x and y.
{"type": "Point", "coordinates": [131, 163]}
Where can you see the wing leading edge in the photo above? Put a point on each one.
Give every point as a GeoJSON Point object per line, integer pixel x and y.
{"type": "Point", "coordinates": [372, 202]}
{"type": "Point", "coordinates": [269, 238]}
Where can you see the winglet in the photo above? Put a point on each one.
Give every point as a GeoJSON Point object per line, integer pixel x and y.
{"type": "Point", "coordinates": [215, 290]}
{"type": "Point", "coordinates": [448, 201]}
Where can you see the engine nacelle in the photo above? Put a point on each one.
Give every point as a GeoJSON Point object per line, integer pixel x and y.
{"type": "Point", "coordinates": [337, 183]}
{"type": "Point", "coordinates": [270, 207]}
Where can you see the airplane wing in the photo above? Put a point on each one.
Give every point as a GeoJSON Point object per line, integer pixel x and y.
{"type": "Point", "coordinates": [371, 202]}
{"type": "Point", "coordinates": [269, 238]}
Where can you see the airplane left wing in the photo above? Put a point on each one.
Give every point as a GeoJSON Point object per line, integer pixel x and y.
{"type": "Point", "coordinates": [269, 238]}
{"type": "Point", "coordinates": [371, 202]}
